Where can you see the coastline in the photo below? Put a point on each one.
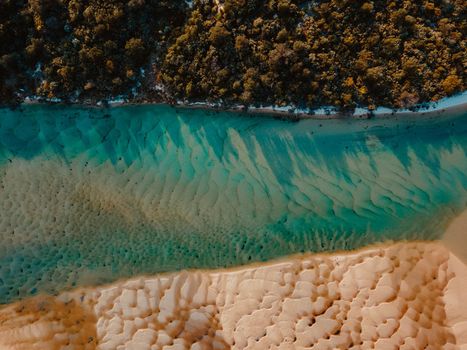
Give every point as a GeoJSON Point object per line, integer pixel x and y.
{"type": "Point", "coordinates": [454, 105]}
{"type": "Point", "coordinates": [401, 292]}
{"type": "Point", "coordinates": [98, 159]}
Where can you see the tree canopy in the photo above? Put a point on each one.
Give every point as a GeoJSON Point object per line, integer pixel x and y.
{"type": "Point", "coordinates": [342, 53]}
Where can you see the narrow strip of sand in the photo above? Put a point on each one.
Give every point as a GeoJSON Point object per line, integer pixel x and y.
{"type": "Point", "coordinates": [450, 105]}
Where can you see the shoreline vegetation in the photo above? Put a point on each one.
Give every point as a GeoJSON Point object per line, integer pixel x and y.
{"type": "Point", "coordinates": [238, 55]}
{"type": "Point", "coordinates": [453, 105]}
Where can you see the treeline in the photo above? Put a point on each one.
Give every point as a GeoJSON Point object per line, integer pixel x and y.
{"type": "Point", "coordinates": [340, 53]}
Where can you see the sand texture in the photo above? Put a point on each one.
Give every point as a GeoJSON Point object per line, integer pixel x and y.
{"type": "Point", "coordinates": [91, 199]}
{"type": "Point", "coordinates": [401, 296]}
{"type": "Point", "coordinates": [455, 237]}
{"type": "Point", "coordinates": [90, 196]}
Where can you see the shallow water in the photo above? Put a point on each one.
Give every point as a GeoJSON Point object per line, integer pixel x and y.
{"type": "Point", "coordinates": [92, 195]}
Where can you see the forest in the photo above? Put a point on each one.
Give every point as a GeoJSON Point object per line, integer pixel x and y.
{"type": "Point", "coordinates": [341, 53]}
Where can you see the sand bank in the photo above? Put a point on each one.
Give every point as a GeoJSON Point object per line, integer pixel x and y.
{"type": "Point", "coordinates": [450, 105]}
{"type": "Point", "coordinates": [455, 237]}
{"type": "Point", "coordinates": [90, 196]}
{"type": "Point", "coordinates": [399, 296]}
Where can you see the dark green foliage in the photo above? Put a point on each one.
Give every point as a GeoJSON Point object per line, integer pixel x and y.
{"type": "Point", "coordinates": [14, 24]}
{"type": "Point", "coordinates": [332, 52]}
{"type": "Point", "coordinates": [85, 49]}
{"type": "Point", "coordinates": [336, 52]}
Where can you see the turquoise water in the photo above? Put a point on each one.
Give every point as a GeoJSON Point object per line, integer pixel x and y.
{"type": "Point", "coordinates": [89, 196]}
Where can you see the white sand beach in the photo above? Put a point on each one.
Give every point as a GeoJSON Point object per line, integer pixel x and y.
{"type": "Point", "coordinates": [396, 296]}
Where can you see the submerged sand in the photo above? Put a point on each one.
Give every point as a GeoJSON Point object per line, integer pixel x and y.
{"type": "Point", "coordinates": [88, 198]}
{"type": "Point", "coordinates": [399, 296]}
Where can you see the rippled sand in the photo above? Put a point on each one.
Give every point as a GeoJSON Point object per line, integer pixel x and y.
{"type": "Point", "coordinates": [90, 196]}
{"type": "Point", "coordinates": [93, 199]}
{"type": "Point", "coordinates": [400, 296]}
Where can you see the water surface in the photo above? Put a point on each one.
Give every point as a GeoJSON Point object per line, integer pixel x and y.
{"type": "Point", "coordinates": [92, 195]}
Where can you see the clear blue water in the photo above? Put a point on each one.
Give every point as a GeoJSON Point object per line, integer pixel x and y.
{"type": "Point", "coordinates": [89, 195]}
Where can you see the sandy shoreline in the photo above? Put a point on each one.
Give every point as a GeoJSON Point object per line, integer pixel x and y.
{"type": "Point", "coordinates": [398, 296]}
{"type": "Point", "coordinates": [453, 105]}
{"type": "Point", "coordinates": [403, 295]}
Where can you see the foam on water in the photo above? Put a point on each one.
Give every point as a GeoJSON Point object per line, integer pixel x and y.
{"type": "Point", "coordinates": [91, 195]}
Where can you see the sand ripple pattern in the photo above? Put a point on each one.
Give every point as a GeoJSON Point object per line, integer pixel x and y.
{"type": "Point", "coordinates": [405, 296]}
{"type": "Point", "coordinates": [89, 196]}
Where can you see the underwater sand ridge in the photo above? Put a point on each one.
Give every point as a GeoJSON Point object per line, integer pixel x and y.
{"type": "Point", "coordinates": [90, 197]}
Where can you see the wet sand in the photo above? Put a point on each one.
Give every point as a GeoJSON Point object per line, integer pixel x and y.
{"type": "Point", "coordinates": [407, 295]}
